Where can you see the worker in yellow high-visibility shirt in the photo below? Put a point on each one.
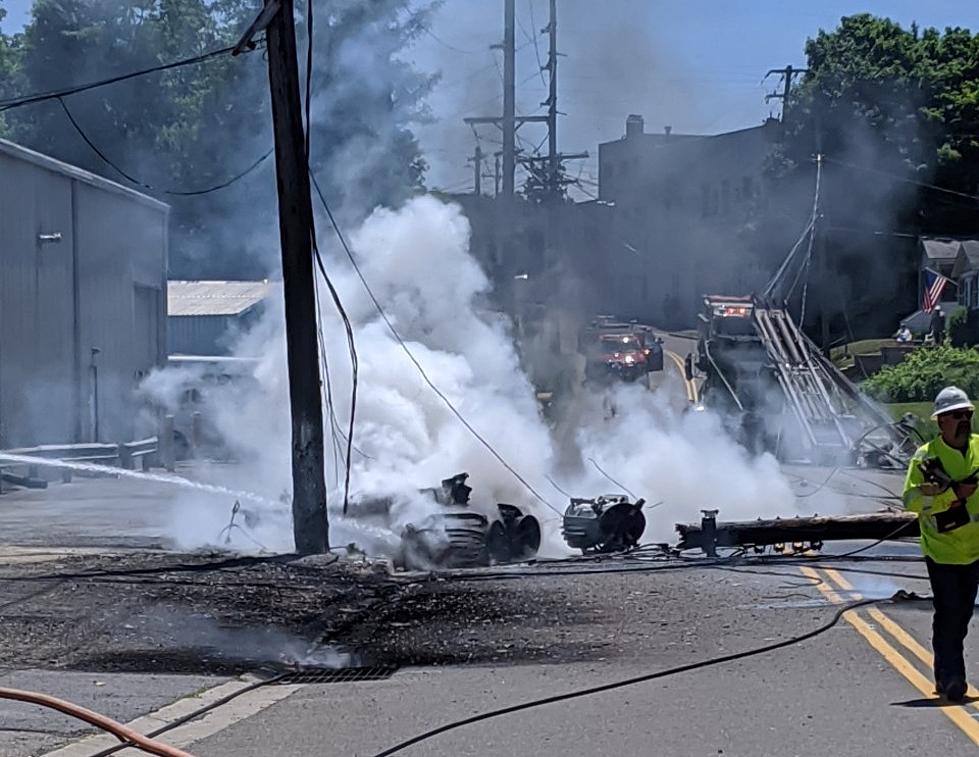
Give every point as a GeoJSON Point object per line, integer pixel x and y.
{"type": "Point", "coordinates": [941, 488]}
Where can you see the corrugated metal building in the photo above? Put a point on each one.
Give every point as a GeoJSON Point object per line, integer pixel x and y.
{"type": "Point", "coordinates": [203, 317]}
{"type": "Point", "coordinates": [82, 298]}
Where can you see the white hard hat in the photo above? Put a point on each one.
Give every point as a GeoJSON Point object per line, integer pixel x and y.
{"type": "Point", "coordinates": [951, 398]}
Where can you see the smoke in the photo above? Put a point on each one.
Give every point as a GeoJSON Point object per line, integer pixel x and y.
{"type": "Point", "coordinates": [210, 638]}
{"type": "Point", "coordinates": [417, 261]}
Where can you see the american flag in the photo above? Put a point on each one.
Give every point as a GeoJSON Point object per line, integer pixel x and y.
{"type": "Point", "coordinates": [934, 286]}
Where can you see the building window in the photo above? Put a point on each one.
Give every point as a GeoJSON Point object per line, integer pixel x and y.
{"type": "Point", "coordinates": [725, 197]}
{"type": "Point", "coordinates": [747, 188]}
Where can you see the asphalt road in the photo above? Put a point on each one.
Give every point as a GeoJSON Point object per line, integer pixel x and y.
{"type": "Point", "coordinates": [465, 646]}
{"type": "Point", "coordinates": [860, 688]}
{"type": "Point", "coordinates": [462, 647]}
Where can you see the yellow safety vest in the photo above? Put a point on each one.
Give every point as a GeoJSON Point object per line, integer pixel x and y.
{"type": "Point", "coordinates": [960, 545]}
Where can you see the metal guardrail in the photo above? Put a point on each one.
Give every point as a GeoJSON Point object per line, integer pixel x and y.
{"type": "Point", "coordinates": [123, 455]}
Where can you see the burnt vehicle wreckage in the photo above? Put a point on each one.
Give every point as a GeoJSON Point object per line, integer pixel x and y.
{"type": "Point", "coordinates": [609, 523]}
{"type": "Point", "coordinates": [459, 536]}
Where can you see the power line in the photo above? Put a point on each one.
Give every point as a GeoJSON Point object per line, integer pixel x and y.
{"type": "Point", "coordinates": [445, 44]}
{"type": "Point", "coordinates": [898, 177]}
{"type": "Point", "coordinates": [129, 177]}
{"type": "Point", "coordinates": [347, 325]}
{"type": "Point", "coordinates": [533, 38]}
{"type": "Point", "coordinates": [413, 359]}
{"type": "Point", "coordinates": [17, 102]}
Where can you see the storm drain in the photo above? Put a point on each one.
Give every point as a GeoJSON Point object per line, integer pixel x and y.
{"type": "Point", "coordinates": [342, 675]}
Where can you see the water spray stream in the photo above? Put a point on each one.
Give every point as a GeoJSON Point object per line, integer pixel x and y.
{"type": "Point", "coordinates": [138, 475]}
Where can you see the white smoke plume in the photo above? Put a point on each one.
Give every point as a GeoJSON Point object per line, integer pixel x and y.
{"type": "Point", "coordinates": [417, 262]}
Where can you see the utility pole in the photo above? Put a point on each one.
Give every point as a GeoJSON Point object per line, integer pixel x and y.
{"type": "Point", "coordinates": [552, 155]}
{"type": "Point", "coordinates": [787, 73]}
{"type": "Point", "coordinates": [509, 122]}
{"type": "Point", "coordinates": [309, 517]}
{"type": "Point", "coordinates": [477, 161]}
{"type": "Point", "coordinates": [509, 98]}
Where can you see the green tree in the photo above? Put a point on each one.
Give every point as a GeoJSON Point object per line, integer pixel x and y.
{"type": "Point", "coordinates": [195, 127]}
{"type": "Point", "coordinates": [9, 58]}
{"type": "Point", "coordinates": [897, 101]}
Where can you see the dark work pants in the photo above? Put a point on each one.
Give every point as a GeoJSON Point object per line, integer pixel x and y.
{"type": "Point", "coordinates": [954, 590]}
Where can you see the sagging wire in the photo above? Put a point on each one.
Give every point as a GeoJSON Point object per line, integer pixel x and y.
{"type": "Point", "coordinates": [578, 693]}
{"type": "Point", "coordinates": [553, 483]}
{"type": "Point", "coordinates": [347, 326]}
{"type": "Point", "coordinates": [604, 473]}
{"type": "Point", "coordinates": [809, 231]}
{"type": "Point", "coordinates": [818, 488]}
{"type": "Point", "coordinates": [326, 388]}
{"type": "Point", "coordinates": [142, 184]}
{"type": "Point", "coordinates": [37, 97]}
{"type": "Point", "coordinates": [401, 342]}
{"type": "Point", "coordinates": [354, 367]}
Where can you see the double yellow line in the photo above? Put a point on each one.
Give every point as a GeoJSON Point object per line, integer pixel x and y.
{"type": "Point", "coordinates": [690, 386]}
{"type": "Point", "coordinates": [877, 632]}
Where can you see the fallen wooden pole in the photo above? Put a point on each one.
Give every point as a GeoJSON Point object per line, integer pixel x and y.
{"type": "Point", "coordinates": [710, 533]}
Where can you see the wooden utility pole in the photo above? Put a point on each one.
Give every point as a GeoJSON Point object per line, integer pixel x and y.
{"type": "Point", "coordinates": [509, 98]}
{"type": "Point", "coordinates": [788, 73]}
{"type": "Point", "coordinates": [553, 159]}
{"type": "Point", "coordinates": [309, 519]}
{"type": "Point", "coordinates": [477, 161]}
{"type": "Point", "coordinates": [509, 121]}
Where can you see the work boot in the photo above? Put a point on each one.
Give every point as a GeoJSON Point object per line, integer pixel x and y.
{"type": "Point", "coordinates": [952, 689]}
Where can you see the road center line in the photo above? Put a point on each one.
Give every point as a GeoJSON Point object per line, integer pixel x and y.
{"type": "Point", "coordinates": [895, 629]}
{"type": "Point", "coordinates": [958, 715]}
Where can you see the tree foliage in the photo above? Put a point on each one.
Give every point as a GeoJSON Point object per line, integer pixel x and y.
{"type": "Point", "coordinates": [924, 373]}
{"type": "Point", "coordinates": [197, 126]}
{"type": "Point", "coordinates": [896, 101]}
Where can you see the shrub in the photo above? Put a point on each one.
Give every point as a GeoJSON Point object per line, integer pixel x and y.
{"type": "Point", "coordinates": [958, 328]}
{"type": "Point", "coordinates": [924, 373]}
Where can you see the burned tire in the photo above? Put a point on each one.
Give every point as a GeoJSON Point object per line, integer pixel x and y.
{"type": "Point", "coordinates": [498, 543]}
{"type": "Point", "coordinates": [527, 538]}
{"type": "Point", "coordinates": [622, 527]}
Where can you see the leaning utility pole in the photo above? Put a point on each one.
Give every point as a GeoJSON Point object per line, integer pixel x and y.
{"type": "Point", "coordinates": [309, 518]}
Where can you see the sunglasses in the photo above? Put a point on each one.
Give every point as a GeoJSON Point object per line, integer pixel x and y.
{"type": "Point", "coordinates": [960, 415]}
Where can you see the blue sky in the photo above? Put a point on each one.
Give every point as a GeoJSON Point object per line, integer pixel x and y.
{"type": "Point", "coordinates": [695, 65]}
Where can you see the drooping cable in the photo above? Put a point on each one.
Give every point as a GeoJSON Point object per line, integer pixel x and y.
{"type": "Point", "coordinates": [604, 473]}
{"type": "Point", "coordinates": [348, 327]}
{"type": "Point", "coordinates": [578, 693]}
{"type": "Point", "coordinates": [142, 184]}
{"type": "Point", "coordinates": [37, 97]}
